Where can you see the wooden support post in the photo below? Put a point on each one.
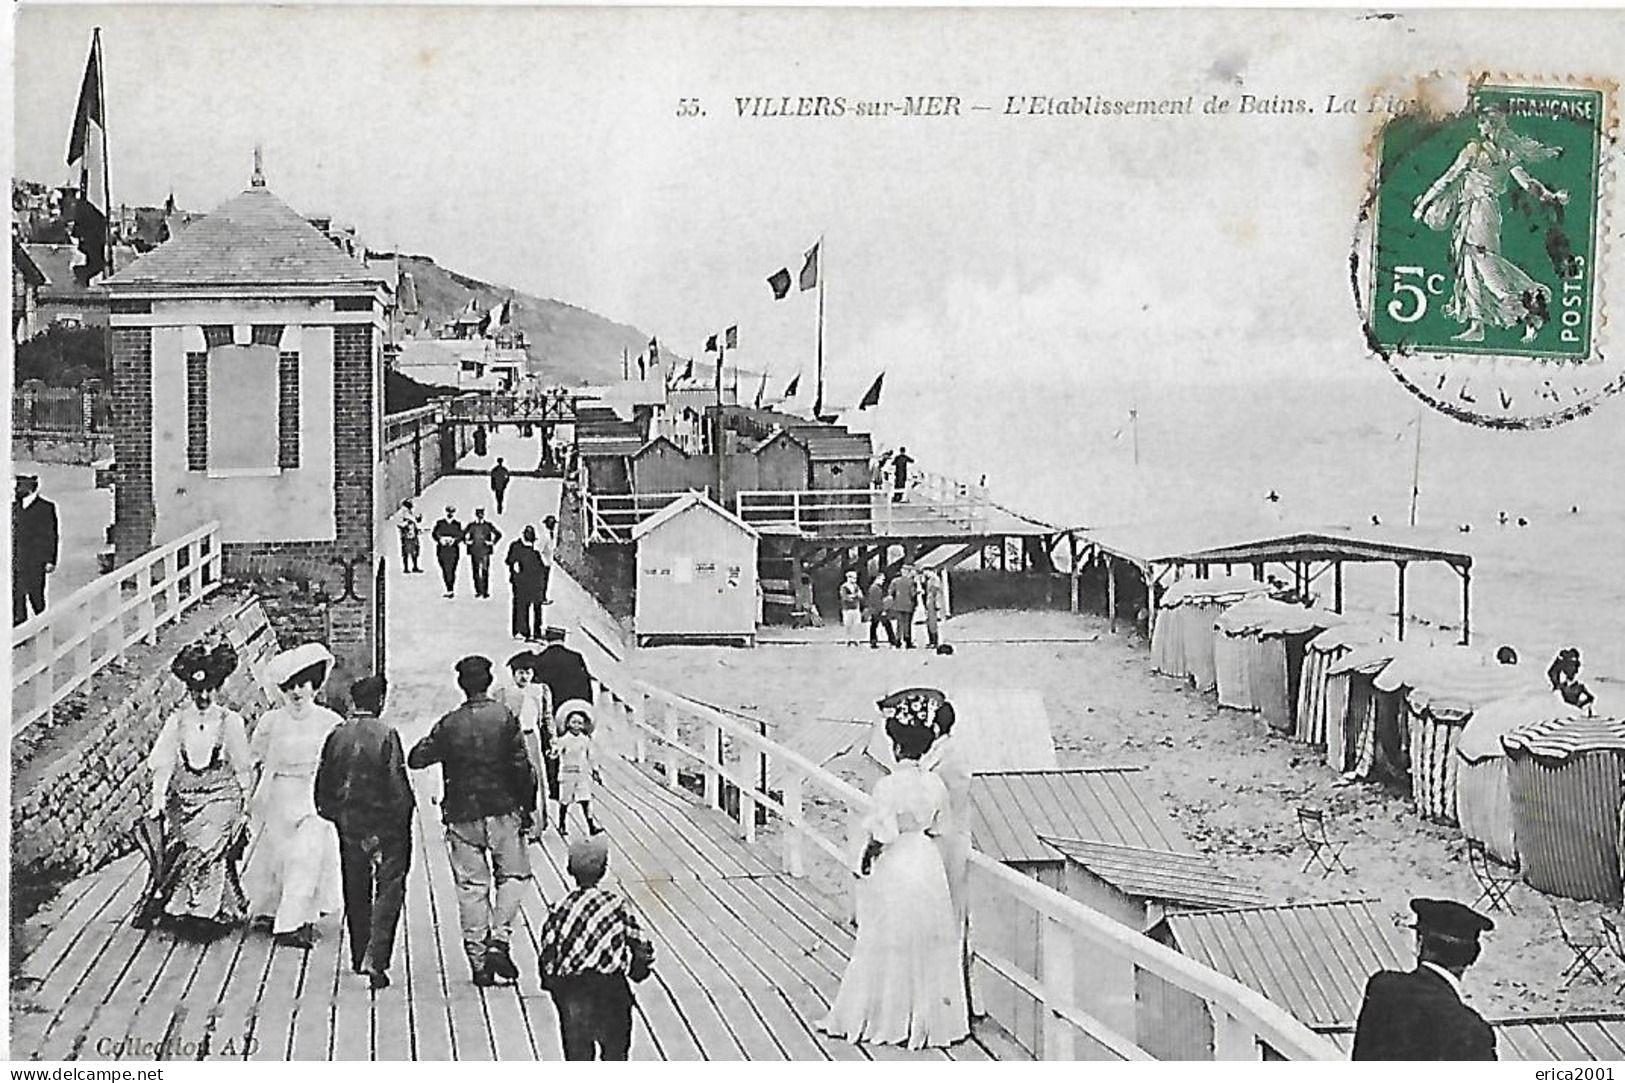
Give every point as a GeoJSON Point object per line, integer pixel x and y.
{"type": "Point", "coordinates": [1401, 616]}
{"type": "Point", "coordinates": [1258, 571]}
{"type": "Point", "coordinates": [713, 762]}
{"type": "Point", "coordinates": [1466, 599]}
{"type": "Point", "coordinates": [793, 861]}
{"type": "Point", "coordinates": [1060, 988]}
{"type": "Point", "coordinates": [1073, 571]}
{"type": "Point", "coordinates": [1233, 1039]}
{"type": "Point", "coordinates": [668, 726]}
{"type": "Point", "coordinates": [1337, 586]}
{"type": "Point", "coordinates": [1111, 595]}
{"type": "Point", "coordinates": [640, 716]}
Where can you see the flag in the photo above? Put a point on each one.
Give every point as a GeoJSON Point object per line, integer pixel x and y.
{"type": "Point", "coordinates": [506, 315]}
{"type": "Point", "coordinates": [87, 164]}
{"type": "Point", "coordinates": [485, 322]}
{"type": "Point", "coordinates": [780, 281]}
{"type": "Point", "coordinates": [711, 344]}
{"type": "Point", "coordinates": [654, 352]}
{"type": "Point", "coordinates": [790, 391]}
{"type": "Point", "coordinates": [809, 269]}
{"type": "Point", "coordinates": [688, 371]}
{"type": "Point", "coordinates": [731, 337]}
{"type": "Point", "coordinates": [643, 369]}
{"type": "Point", "coordinates": [871, 397]}
{"type": "Point", "coordinates": [761, 390]}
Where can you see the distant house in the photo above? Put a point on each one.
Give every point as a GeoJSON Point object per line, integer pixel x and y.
{"type": "Point", "coordinates": [26, 280]}
{"type": "Point", "coordinates": [62, 300]}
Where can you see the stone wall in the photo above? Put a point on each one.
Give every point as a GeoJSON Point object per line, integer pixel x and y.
{"type": "Point", "coordinates": [77, 814]}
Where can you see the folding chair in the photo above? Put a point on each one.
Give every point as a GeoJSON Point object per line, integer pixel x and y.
{"type": "Point", "coordinates": [1585, 951]}
{"type": "Point", "coordinates": [1613, 933]}
{"type": "Point", "coordinates": [1322, 850]}
{"type": "Point", "coordinates": [1494, 879]}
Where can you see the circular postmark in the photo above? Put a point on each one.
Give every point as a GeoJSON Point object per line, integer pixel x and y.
{"type": "Point", "coordinates": [1480, 251]}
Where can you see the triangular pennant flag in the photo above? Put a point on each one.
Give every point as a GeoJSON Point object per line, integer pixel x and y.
{"type": "Point", "coordinates": [688, 372]}
{"type": "Point", "coordinates": [780, 282]}
{"type": "Point", "coordinates": [87, 163]}
{"type": "Point", "coordinates": [871, 397]}
{"type": "Point", "coordinates": [809, 269]}
{"type": "Point", "coordinates": [731, 337]}
{"type": "Point", "coordinates": [790, 391]}
{"type": "Point", "coordinates": [711, 344]}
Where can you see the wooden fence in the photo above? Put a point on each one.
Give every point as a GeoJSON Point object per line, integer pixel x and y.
{"type": "Point", "coordinates": [1057, 983]}
{"type": "Point", "coordinates": [55, 653]}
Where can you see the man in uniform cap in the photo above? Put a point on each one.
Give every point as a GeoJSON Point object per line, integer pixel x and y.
{"type": "Point", "coordinates": [1420, 1015]}
{"type": "Point", "coordinates": [34, 542]}
{"type": "Point", "coordinates": [490, 790]}
{"type": "Point", "coordinates": [563, 670]}
{"type": "Point", "coordinates": [448, 541]}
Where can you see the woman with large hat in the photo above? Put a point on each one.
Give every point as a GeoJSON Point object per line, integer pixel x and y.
{"type": "Point", "coordinates": [293, 875]}
{"type": "Point", "coordinates": [904, 983]}
{"type": "Point", "coordinates": [195, 831]}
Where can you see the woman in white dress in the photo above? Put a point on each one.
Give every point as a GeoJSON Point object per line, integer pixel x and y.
{"type": "Point", "coordinates": [292, 879]}
{"type": "Point", "coordinates": [904, 985]}
{"type": "Point", "coordinates": [946, 760]}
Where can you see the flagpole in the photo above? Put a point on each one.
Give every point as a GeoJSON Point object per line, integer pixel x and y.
{"type": "Point", "coordinates": [823, 273]}
{"type": "Point", "coordinates": [1416, 467]}
{"type": "Point", "coordinates": [101, 104]}
{"type": "Point", "coordinates": [1134, 431]}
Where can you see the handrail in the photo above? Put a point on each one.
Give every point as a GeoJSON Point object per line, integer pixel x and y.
{"type": "Point", "coordinates": [68, 631]}
{"type": "Point", "coordinates": [829, 509]}
{"type": "Point", "coordinates": [1244, 1023]}
{"type": "Point", "coordinates": [610, 517]}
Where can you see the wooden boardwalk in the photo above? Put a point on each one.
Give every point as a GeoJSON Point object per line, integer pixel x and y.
{"type": "Point", "coordinates": [748, 959]}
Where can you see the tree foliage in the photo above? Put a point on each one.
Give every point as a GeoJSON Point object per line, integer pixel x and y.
{"type": "Point", "coordinates": [63, 356]}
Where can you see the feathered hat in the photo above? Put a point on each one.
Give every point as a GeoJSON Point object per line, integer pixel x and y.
{"type": "Point", "coordinates": [204, 665]}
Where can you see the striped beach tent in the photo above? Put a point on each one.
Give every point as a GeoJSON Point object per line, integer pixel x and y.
{"type": "Point", "coordinates": [1258, 655]}
{"type": "Point", "coordinates": [1565, 777]}
{"type": "Point", "coordinates": [1320, 654]}
{"type": "Point", "coordinates": [1483, 794]}
{"type": "Point", "coordinates": [1182, 638]}
{"type": "Point", "coordinates": [1363, 737]}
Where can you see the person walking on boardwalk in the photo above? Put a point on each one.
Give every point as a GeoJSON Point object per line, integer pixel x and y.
{"type": "Point", "coordinates": [481, 537]}
{"type": "Point", "coordinates": [547, 546]}
{"type": "Point", "coordinates": [480, 437]}
{"type": "Point", "coordinates": [292, 877]}
{"type": "Point", "coordinates": [563, 670]}
{"type": "Point", "coordinates": [591, 949]}
{"type": "Point", "coordinates": [410, 523]}
{"type": "Point", "coordinates": [934, 597]}
{"type": "Point", "coordinates": [578, 766]}
{"type": "Point", "coordinates": [532, 704]}
{"type": "Point", "coordinates": [527, 579]}
{"type": "Point", "coordinates": [448, 546]}
{"type": "Point", "coordinates": [851, 608]}
{"type": "Point", "coordinates": [34, 543]}
{"type": "Point", "coordinates": [875, 603]}
{"type": "Point", "coordinates": [1420, 1015]}
{"type": "Point", "coordinates": [901, 601]}
{"type": "Point", "coordinates": [500, 475]}
{"type": "Point", "coordinates": [490, 790]}
{"type": "Point", "coordinates": [904, 983]}
{"type": "Point", "coordinates": [201, 773]}
{"type": "Point", "coordinates": [362, 789]}
{"type": "Point", "coordinates": [900, 464]}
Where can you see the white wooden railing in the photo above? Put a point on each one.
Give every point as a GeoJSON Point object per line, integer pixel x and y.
{"type": "Point", "coordinates": [610, 517]}
{"type": "Point", "coordinates": [56, 652]}
{"type": "Point", "coordinates": [878, 511]}
{"type": "Point", "coordinates": [1081, 964]}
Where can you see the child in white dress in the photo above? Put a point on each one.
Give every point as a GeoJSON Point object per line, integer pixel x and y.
{"type": "Point", "coordinates": [577, 767]}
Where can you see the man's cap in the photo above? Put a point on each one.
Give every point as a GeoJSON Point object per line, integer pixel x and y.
{"type": "Point", "coordinates": [554, 634]}
{"type": "Point", "coordinates": [28, 479]}
{"type": "Point", "coordinates": [369, 689]}
{"type": "Point", "coordinates": [550, 520]}
{"type": "Point", "coordinates": [1444, 919]}
{"type": "Point", "coordinates": [589, 857]}
{"type": "Point", "coordinates": [450, 510]}
{"type": "Point", "coordinates": [528, 532]}
{"type": "Point", "coordinates": [475, 665]}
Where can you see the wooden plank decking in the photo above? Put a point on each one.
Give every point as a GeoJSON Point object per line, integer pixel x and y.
{"type": "Point", "coordinates": [748, 959]}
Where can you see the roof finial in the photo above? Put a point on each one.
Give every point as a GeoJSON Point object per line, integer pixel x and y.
{"type": "Point", "coordinates": [258, 180]}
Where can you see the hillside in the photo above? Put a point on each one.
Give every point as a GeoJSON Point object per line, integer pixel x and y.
{"type": "Point", "coordinates": [573, 345]}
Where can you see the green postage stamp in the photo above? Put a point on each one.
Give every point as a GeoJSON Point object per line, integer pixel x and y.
{"type": "Point", "coordinates": [1481, 275]}
{"type": "Point", "coordinates": [1486, 230]}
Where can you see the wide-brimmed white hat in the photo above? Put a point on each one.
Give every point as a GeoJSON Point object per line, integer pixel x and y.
{"type": "Point", "coordinates": [290, 662]}
{"type": "Point", "coordinates": [575, 706]}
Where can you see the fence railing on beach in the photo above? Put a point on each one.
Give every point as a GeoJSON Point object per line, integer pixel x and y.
{"type": "Point", "coordinates": [610, 517]}
{"type": "Point", "coordinates": [1050, 994]}
{"type": "Point", "coordinates": [55, 653]}
{"type": "Point", "coordinates": [938, 508]}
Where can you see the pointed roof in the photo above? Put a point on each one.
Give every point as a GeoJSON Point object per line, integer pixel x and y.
{"type": "Point", "coordinates": [253, 239]}
{"type": "Point", "coordinates": [682, 504]}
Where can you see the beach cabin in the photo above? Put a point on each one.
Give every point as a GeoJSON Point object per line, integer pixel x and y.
{"type": "Point", "coordinates": [1258, 656]}
{"type": "Point", "coordinates": [1316, 706]}
{"type": "Point", "coordinates": [1313, 959]}
{"type": "Point", "coordinates": [1565, 778]}
{"type": "Point", "coordinates": [1182, 635]}
{"type": "Point", "coordinates": [660, 466]}
{"type": "Point", "coordinates": [1363, 734]}
{"type": "Point", "coordinates": [696, 574]}
{"type": "Point", "coordinates": [1483, 792]}
{"type": "Point", "coordinates": [1012, 813]}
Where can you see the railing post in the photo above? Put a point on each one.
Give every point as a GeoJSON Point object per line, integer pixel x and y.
{"type": "Point", "coordinates": [149, 604]}
{"type": "Point", "coordinates": [668, 726]}
{"type": "Point", "coordinates": [747, 806]}
{"type": "Point", "coordinates": [713, 762]}
{"type": "Point", "coordinates": [1233, 1039]}
{"type": "Point", "coordinates": [172, 576]}
{"type": "Point", "coordinates": [1060, 988]}
{"type": "Point", "coordinates": [640, 717]}
{"type": "Point", "coordinates": [793, 863]}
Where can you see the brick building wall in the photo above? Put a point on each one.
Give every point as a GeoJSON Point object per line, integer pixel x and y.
{"type": "Point", "coordinates": [352, 616]}
{"type": "Point", "coordinates": [134, 518]}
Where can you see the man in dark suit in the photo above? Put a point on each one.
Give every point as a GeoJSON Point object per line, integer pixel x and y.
{"type": "Point", "coordinates": [481, 537]}
{"type": "Point", "coordinates": [448, 542]}
{"type": "Point", "coordinates": [34, 542]}
{"type": "Point", "coordinates": [361, 786]}
{"type": "Point", "coordinates": [563, 670]}
{"type": "Point", "coordinates": [1420, 1015]}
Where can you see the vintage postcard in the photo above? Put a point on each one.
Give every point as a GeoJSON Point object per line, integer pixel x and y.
{"type": "Point", "coordinates": [827, 534]}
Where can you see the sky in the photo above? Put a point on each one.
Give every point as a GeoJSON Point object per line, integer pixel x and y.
{"type": "Point", "coordinates": [542, 149]}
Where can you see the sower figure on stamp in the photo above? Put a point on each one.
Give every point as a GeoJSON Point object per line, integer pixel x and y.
{"type": "Point", "coordinates": [490, 791]}
{"type": "Point", "coordinates": [362, 788]}
{"type": "Point", "coordinates": [448, 542]}
{"type": "Point", "coordinates": [591, 948]}
{"type": "Point", "coordinates": [1420, 1015]}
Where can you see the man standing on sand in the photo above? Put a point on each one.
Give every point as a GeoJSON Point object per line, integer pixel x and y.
{"type": "Point", "coordinates": [874, 602]}
{"type": "Point", "coordinates": [490, 792]}
{"type": "Point", "coordinates": [34, 543]}
{"type": "Point", "coordinates": [901, 601]}
{"type": "Point", "coordinates": [481, 537]}
{"type": "Point", "coordinates": [933, 596]}
{"type": "Point", "coordinates": [448, 542]}
{"type": "Point", "coordinates": [499, 482]}
{"type": "Point", "coordinates": [362, 788]}
{"type": "Point", "coordinates": [1420, 1015]}
{"type": "Point", "coordinates": [851, 608]}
